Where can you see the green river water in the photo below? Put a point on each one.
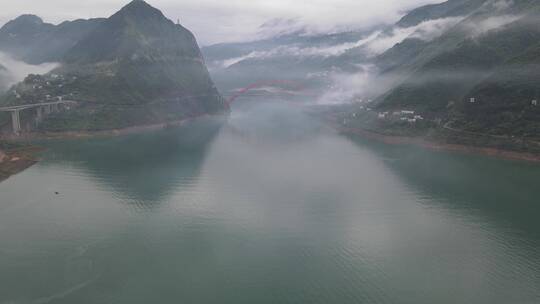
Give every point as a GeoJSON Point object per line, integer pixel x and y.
{"type": "Point", "coordinates": [270, 208]}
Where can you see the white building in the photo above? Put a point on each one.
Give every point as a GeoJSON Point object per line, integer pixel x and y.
{"type": "Point", "coordinates": [534, 102]}
{"type": "Point", "coordinates": [472, 100]}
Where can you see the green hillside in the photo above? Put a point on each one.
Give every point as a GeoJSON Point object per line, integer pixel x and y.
{"type": "Point", "coordinates": [450, 75]}
{"type": "Point", "coordinates": [505, 99]}
{"type": "Point", "coordinates": [136, 67]}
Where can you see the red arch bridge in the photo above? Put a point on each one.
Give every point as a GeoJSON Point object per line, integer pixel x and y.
{"type": "Point", "coordinates": [290, 87]}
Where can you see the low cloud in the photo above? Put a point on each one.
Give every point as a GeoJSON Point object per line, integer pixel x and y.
{"type": "Point", "coordinates": [501, 5]}
{"type": "Point", "coordinates": [280, 27]}
{"type": "Point", "coordinates": [373, 44]}
{"type": "Point", "coordinates": [481, 27]}
{"type": "Point", "coordinates": [18, 70]}
{"type": "Point", "coordinates": [427, 30]}
{"type": "Point", "coordinates": [290, 51]}
{"type": "Point", "coordinates": [369, 84]}
{"type": "Point", "coordinates": [362, 86]}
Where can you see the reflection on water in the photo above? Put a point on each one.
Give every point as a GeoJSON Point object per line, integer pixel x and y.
{"type": "Point", "coordinates": [144, 169]}
{"type": "Point", "coordinates": [272, 209]}
{"type": "Point", "coordinates": [475, 184]}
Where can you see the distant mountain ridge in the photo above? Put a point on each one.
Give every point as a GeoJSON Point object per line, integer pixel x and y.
{"type": "Point", "coordinates": [306, 54]}
{"type": "Point", "coordinates": [302, 54]}
{"type": "Point", "coordinates": [446, 9]}
{"type": "Point", "coordinates": [29, 39]}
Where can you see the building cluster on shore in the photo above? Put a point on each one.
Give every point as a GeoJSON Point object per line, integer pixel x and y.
{"type": "Point", "coordinates": [44, 88]}
{"type": "Point", "coordinates": [401, 115]}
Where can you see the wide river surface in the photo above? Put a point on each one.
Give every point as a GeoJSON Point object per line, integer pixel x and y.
{"type": "Point", "coordinates": [270, 208]}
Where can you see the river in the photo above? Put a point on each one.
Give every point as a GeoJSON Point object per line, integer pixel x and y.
{"type": "Point", "coordinates": [272, 207]}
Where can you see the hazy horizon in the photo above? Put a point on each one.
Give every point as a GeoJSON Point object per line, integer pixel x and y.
{"type": "Point", "coordinates": [238, 20]}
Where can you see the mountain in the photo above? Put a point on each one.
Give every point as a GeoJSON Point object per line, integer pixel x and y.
{"type": "Point", "coordinates": [29, 39]}
{"type": "Point", "coordinates": [446, 9]}
{"type": "Point", "coordinates": [304, 55]}
{"type": "Point", "coordinates": [448, 76]}
{"type": "Point", "coordinates": [475, 52]}
{"type": "Point", "coordinates": [317, 58]}
{"type": "Point", "coordinates": [506, 98]}
{"type": "Point", "coordinates": [20, 34]}
{"type": "Point", "coordinates": [53, 46]}
{"type": "Point", "coordinates": [138, 29]}
{"type": "Point", "coordinates": [476, 82]}
{"type": "Point", "coordinates": [136, 67]}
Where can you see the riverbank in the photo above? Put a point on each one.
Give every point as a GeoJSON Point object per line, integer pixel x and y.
{"type": "Point", "coordinates": [34, 136]}
{"type": "Point", "coordinates": [17, 153]}
{"type": "Point", "coordinates": [438, 146]}
{"type": "Point", "coordinates": [15, 159]}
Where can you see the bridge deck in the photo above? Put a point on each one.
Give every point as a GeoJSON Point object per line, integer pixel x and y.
{"type": "Point", "coordinates": [34, 105]}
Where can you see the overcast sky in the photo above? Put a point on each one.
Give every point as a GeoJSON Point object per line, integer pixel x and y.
{"type": "Point", "coordinates": [226, 20]}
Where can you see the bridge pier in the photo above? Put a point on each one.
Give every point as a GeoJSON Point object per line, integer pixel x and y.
{"type": "Point", "coordinates": [16, 121]}
{"type": "Point", "coordinates": [42, 109]}
{"type": "Point", "coordinates": [39, 115]}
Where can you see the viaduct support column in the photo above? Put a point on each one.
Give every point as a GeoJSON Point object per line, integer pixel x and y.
{"type": "Point", "coordinates": [39, 114]}
{"type": "Point", "coordinates": [16, 121]}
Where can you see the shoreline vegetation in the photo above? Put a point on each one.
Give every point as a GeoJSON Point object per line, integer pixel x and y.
{"type": "Point", "coordinates": [15, 158]}
{"type": "Point", "coordinates": [440, 146]}
{"type": "Point", "coordinates": [47, 135]}
{"type": "Point", "coordinates": [432, 142]}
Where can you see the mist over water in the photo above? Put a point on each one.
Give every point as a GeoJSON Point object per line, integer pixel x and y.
{"type": "Point", "coordinates": [272, 207]}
